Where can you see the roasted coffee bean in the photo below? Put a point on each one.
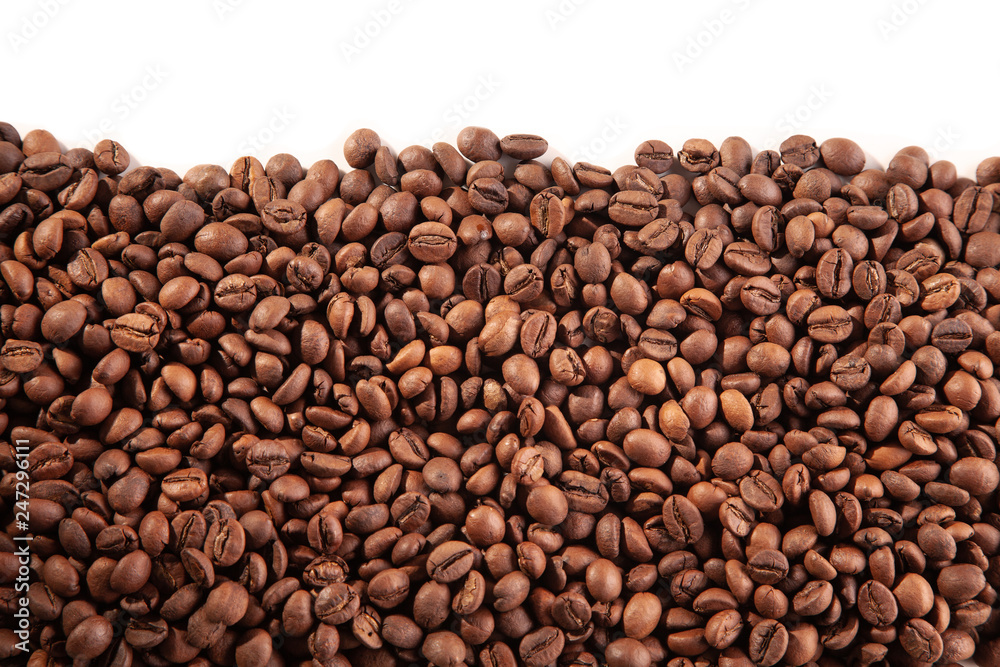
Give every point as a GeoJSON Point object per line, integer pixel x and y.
{"type": "Point", "coordinates": [524, 146]}
{"type": "Point", "coordinates": [654, 155]}
{"type": "Point", "coordinates": [432, 242]}
{"type": "Point", "coordinates": [921, 640]}
{"type": "Point", "coordinates": [89, 638]}
{"type": "Point", "coordinates": [547, 214]}
{"type": "Point", "coordinates": [800, 150]}
{"type": "Point", "coordinates": [876, 603]}
{"type": "Point", "coordinates": [633, 208]}
{"type": "Point", "coordinates": [337, 603]}
{"type": "Point", "coordinates": [698, 155]}
{"type": "Point", "coordinates": [542, 646]}
{"type": "Point", "coordinates": [450, 561]}
{"type": "Point", "coordinates": [21, 356]}
{"type": "Point", "coordinates": [842, 156]}
{"type": "Point", "coordinates": [110, 157]}
{"type": "Point", "coordinates": [682, 520]}
{"type": "Point", "coordinates": [767, 566]}
{"type": "Point", "coordinates": [768, 642]}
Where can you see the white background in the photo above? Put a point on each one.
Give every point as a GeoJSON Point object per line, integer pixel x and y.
{"type": "Point", "coordinates": [189, 82]}
{"type": "Point", "coordinates": [186, 82]}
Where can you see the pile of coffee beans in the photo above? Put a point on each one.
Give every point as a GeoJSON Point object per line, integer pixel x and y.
{"type": "Point", "coordinates": [460, 405]}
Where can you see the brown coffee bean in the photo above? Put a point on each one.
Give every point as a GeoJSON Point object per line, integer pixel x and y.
{"type": "Point", "coordinates": [682, 520]}
{"type": "Point", "coordinates": [21, 356]}
{"type": "Point", "coordinates": [958, 583]}
{"type": "Point", "coordinates": [111, 157]}
{"type": "Point", "coordinates": [547, 505]}
{"type": "Point", "coordinates": [842, 156]}
{"type": "Point", "coordinates": [921, 640]}
{"type": "Point", "coordinates": [698, 155]}
{"type": "Point", "coordinates": [876, 603]}
{"type": "Point", "coordinates": [524, 146]}
{"type": "Point", "coordinates": [360, 148]}
{"type": "Point", "coordinates": [768, 642]}
{"type": "Point", "coordinates": [336, 604]}
{"type": "Point", "coordinates": [655, 155]}
{"type": "Point", "coordinates": [389, 588]}
{"type": "Point", "coordinates": [542, 646]}
{"type": "Point", "coordinates": [914, 594]}
{"type": "Point", "coordinates": [131, 573]}
{"type": "Point", "coordinates": [90, 638]}
{"type": "Point", "coordinates": [432, 242]}
{"type": "Point", "coordinates": [547, 214]}
{"type": "Point", "coordinates": [450, 561]}
{"type": "Point", "coordinates": [479, 143]}
{"type": "Point", "coordinates": [186, 484]}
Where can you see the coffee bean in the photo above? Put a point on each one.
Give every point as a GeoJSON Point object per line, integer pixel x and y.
{"type": "Point", "coordinates": [655, 155]}
{"type": "Point", "coordinates": [63, 321]}
{"type": "Point", "coordinates": [921, 640]}
{"type": "Point", "coordinates": [360, 148]}
{"type": "Point", "coordinates": [833, 273]}
{"type": "Point", "coordinates": [283, 216]}
{"type": "Point", "coordinates": [632, 208]}
{"type": "Point", "coordinates": [47, 170]}
{"type": "Point", "coordinates": [450, 561]}
{"type": "Point", "coordinates": [186, 484]}
{"type": "Point", "coordinates": [389, 588]}
{"type": "Point", "coordinates": [767, 566]}
{"type": "Point", "coordinates": [547, 214]}
{"type": "Point", "coordinates": [842, 156]}
{"type": "Point", "coordinates": [698, 155]}
{"type": "Point", "coordinates": [876, 603]}
{"type": "Point", "coordinates": [914, 594]}
{"type": "Point", "coordinates": [704, 249]}
{"type": "Point", "coordinates": [89, 638]}
{"type": "Point", "coordinates": [682, 520]}
{"type": "Point", "coordinates": [542, 646]}
{"type": "Point", "coordinates": [768, 642]}
{"type": "Point", "coordinates": [432, 242]}
{"type": "Point", "coordinates": [111, 157]}
{"type": "Point", "coordinates": [524, 283]}
{"type": "Point", "coordinates": [21, 356]}
{"type": "Point", "coordinates": [761, 491]}
{"type": "Point", "coordinates": [337, 603]}
{"type": "Point", "coordinates": [488, 196]}
{"type": "Point", "coordinates": [479, 143]}
{"type": "Point", "coordinates": [524, 146]}
{"type": "Point", "coordinates": [746, 259]}
{"type": "Point", "coordinates": [958, 583]}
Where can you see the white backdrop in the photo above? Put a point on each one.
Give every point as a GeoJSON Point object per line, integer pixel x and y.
{"type": "Point", "coordinates": [195, 81]}
{"type": "Point", "coordinates": [187, 82]}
